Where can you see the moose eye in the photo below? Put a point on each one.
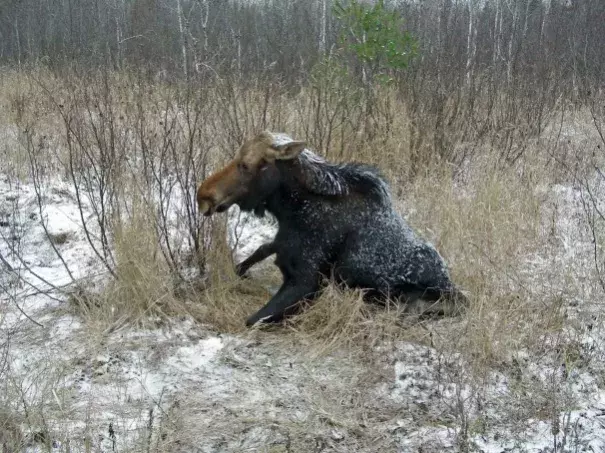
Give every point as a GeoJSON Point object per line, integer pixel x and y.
{"type": "Point", "coordinates": [243, 167]}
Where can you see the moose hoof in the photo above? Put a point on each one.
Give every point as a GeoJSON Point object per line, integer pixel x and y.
{"type": "Point", "coordinates": [240, 271]}
{"type": "Point", "coordinates": [255, 320]}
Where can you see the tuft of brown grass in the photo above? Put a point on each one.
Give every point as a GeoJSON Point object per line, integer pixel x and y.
{"type": "Point", "coordinates": [488, 228]}
{"type": "Point", "coordinates": [341, 319]}
{"type": "Point", "coordinates": [142, 289]}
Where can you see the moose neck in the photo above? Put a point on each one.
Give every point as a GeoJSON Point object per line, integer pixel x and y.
{"type": "Point", "coordinates": [288, 203]}
{"type": "Point", "coordinates": [278, 204]}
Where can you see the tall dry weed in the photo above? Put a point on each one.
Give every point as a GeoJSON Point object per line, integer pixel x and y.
{"type": "Point", "coordinates": [485, 223]}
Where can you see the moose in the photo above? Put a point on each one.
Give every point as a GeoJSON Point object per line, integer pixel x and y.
{"type": "Point", "coordinates": [334, 221]}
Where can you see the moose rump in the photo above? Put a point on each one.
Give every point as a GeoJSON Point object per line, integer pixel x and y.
{"type": "Point", "coordinates": [333, 220]}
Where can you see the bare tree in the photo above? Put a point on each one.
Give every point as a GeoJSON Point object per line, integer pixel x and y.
{"type": "Point", "coordinates": [323, 16]}
{"type": "Point", "coordinates": [471, 40]}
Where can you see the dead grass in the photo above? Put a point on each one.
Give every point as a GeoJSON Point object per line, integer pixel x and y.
{"type": "Point", "coordinates": [341, 320]}
{"type": "Point", "coordinates": [488, 220]}
{"type": "Point", "coordinates": [485, 225]}
{"type": "Point", "coordinates": [142, 289]}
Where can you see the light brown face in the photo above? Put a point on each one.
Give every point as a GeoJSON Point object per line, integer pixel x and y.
{"type": "Point", "coordinates": [248, 178]}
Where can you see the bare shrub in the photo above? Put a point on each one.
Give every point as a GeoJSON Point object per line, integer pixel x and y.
{"type": "Point", "coordinates": [120, 158]}
{"type": "Point", "coordinates": [11, 438]}
{"type": "Point", "coordinates": [588, 173]}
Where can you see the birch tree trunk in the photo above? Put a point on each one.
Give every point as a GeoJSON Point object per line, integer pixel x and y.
{"type": "Point", "coordinates": [471, 42]}
{"type": "Point", "coordinates": [18, 43]}
{"type": "Point", "coordinates": [205, 13]}
{"type": "Point", "coordinates": [497, 33]}
{"type": "Point", "coordinates": [118, 44]}
{"type": "Point", "coordinates": [179, 12]}
{"type": "Point", "coordinates": [525, 24]}
{"type": "Point", "coordinates": [511, 42]}
{"type": "Point", "coordinates": [544, 20]}
{"type": "Point", "coordinates": [322, 26]}
{"type": "Point", "coordinates": [440, 8]}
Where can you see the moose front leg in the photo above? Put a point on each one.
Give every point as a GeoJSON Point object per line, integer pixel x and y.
{"type": "Point", "coordinates": [261, 253]}
{"type": "Point", "coordinates": [284, 302]}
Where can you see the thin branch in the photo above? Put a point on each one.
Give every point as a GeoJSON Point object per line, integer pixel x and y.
{"type": "Point", "coordinates": [12, 296]}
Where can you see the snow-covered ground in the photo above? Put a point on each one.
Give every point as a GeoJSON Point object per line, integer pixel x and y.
{"type": "Point", "coordinates": [184, 383]}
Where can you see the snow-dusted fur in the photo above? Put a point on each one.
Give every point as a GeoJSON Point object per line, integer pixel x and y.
{"type": "Point", "coordinates": [323, 178]}
{"type": "Point", "coordinates": [334, 220]}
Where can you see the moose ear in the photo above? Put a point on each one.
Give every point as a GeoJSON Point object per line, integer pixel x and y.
{"type": "Point", "coordinates": [281, 146]}
{"type": "Point", "coordinates": [288, 150]}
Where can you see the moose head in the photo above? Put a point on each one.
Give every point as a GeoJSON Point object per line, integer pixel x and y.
{"type": "Point", "coordinates": [250, 177]}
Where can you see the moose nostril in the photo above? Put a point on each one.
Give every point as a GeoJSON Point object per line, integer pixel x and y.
{"type": "Point", "coordinates": [205, 206]}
